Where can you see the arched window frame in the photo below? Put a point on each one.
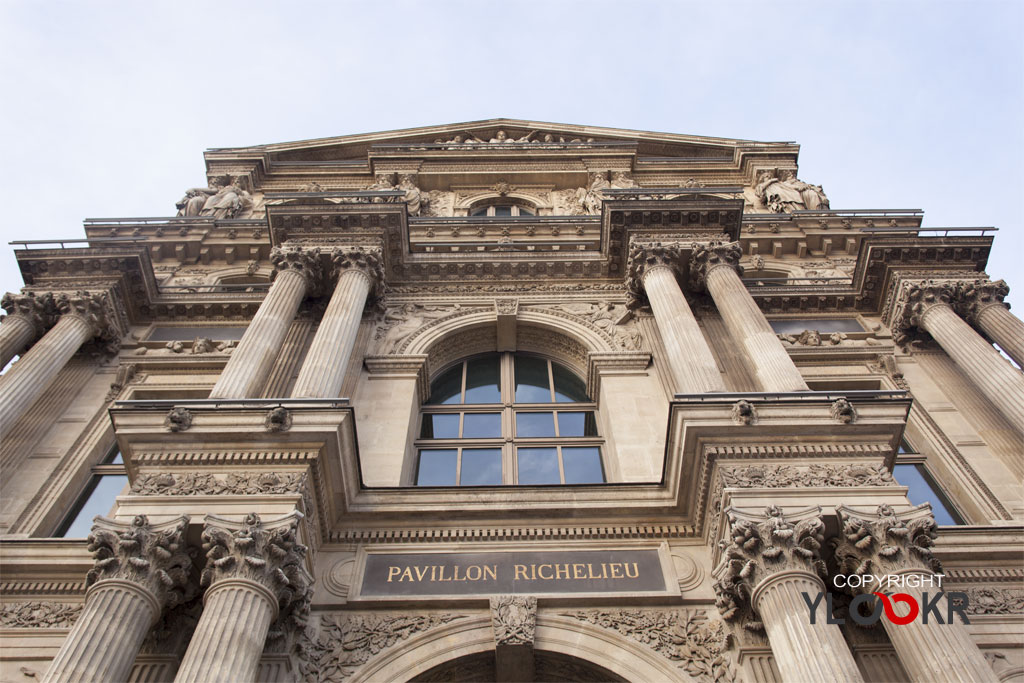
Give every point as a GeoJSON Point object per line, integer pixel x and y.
{"type": "Point", "coordinates": [494, 207]}
{"type": "Point", "coordinates": [574, 452]}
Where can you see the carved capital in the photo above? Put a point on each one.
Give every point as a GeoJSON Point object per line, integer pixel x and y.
{"type": "Point", "coordinates": [302, 260]}
{"type": "Point", "coordinates": [914, 299]}
{"type": "Point", "coordinates": [757, 548]}
{"type": "Point", "coordinates": [645, 257]}
{"type": "Point", "coordinates": [151, 556]}
{"type": "Point", "coordinates": [38, 309]}
{"type": "Point", "coordinates": [974, 297]}
{"type": "Point", "coordinates": [883, 541]}
{"type": "Point", "coordinates": [267, 554]}
{"type": "Point", "coordinates": [707, 257]}
{"type": "Point", "coordinates": [95, 308]}
{"type": "Point", "coordinates": [514, 618]}
{"type": "Point", "coordinates": [366, 260]}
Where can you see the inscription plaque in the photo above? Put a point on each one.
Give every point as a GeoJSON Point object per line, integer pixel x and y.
{"type": "Point", "coordinates": [581, 571]}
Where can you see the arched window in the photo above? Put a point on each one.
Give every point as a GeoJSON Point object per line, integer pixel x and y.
{"type": "Point", "coordinates": [502, 210]}
{"type": "Point", "coordinates": [506, 418]}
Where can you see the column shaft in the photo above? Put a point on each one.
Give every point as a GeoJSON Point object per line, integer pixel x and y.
{"type": "Point", "coordinates": [30, 376]}
{"type": "Point", "coordinates": [104, 642]}
{"type": "Point", "coordinates": [693, 367]}
{"type": "Point", "coordinates": [1005, 329]}
{"type": "Point", "coordinates": [773, 367]}
{"type": "Point", "coordinates": [251, 363]}
{"type": "Point", "coordinates": [804, 652]}
{"type": "Point", "coordinates": [16, 332]}
{"type": "Point", "coordinates": [323, 370]}
{"type": "Point", "coordinates": [229, 638]}
{"type": "Point", "coordinates": [991, 373]}
{"type": "Point", "coordinates": [940, 653]}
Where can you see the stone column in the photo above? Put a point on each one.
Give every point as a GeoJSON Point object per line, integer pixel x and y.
{"type": "Point", "coordinates": [929, 306]}
{"type": "Point", "coordinates": [652, 269]}
{"type": "Point", "coordinates": [83, 316]}
{"type": "Point", "coordinates": [140, 571]}
{"type": "Point", "coordinates": [715, 267]}
{"type": "Point", "coordinates": [27, 317]}
{"type": "Point", "coordinates": [323, 370]}
{"type": "Point", "coordinates": [768, 564]}
{"type": "Point", "coordinates": [981, 304]}
{"type": "Point", "coordinates": [886, 543]}
{"type": "Point", "coordinates": [253, 572]}
{"type": "Point", "coordinates": [297, 272]}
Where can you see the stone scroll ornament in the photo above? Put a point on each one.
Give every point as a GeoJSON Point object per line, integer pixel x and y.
{"type": "Point", "coordinates": [514, 618]}
{"type": "Point", "coordinates": [155, 558]}
{"type": "Point", "coordinates": [757, 549]}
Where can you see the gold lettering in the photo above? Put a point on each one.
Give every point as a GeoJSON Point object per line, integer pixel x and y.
{"type": "Point", "coordinates": [469, 572]}
{"type": "Point", "coordinates": [441, 577]}
{"type": "Point", "coordinates": [492, 571]}
{"type": "Point", "coordinates": [521, 569]}
{"type": "Point", "coordinates": [636, 571]}
{"type": "Point", "coordinates": [433, 572]}
{"type": "Point", "coordinates": [533, 572]}
{"type": "Point", "coordinates": [559, 568]}
{"type": "Point", "coordinates": [420, 574]}
{"type": "Point", "coordinates": [604, 570]}
{"type": "Point", "coordinates": [407, 572]}
{"type": "Point", "coordinates": [616, 568]}
{"type": "Point", "coordinates": [577, 571]}
{"type": "Point", "coordinates": [590, 571]}
{"type": "Point", "coordinates": [392, 571]}
{"type": "Point", "coordinates": [540, 572]}
{"type": "Point", "coordinates": [457, 578]}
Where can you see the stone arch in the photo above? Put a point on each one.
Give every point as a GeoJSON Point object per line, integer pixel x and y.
{"type": "Point", "coordinates": [534, 201]}
{"type": "Point", "coordinates": [603, 648]}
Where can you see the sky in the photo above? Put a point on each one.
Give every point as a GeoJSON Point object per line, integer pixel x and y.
{"type": "Point", "coordinates": [108, 106]}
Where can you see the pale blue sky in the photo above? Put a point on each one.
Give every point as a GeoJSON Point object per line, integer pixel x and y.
{"type": "Point", "coordinates": [109, 105]}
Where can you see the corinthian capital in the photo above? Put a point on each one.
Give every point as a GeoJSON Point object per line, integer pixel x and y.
{"type": "Point", "coordinates": [645, 257]}
{"type": "Point", "coordinates": [151, 556]}
{"type": "Point", "coordinates": [757, 549]}
{"type": "Point", "coordinates": [95, 308]}
{"type": "Point", "coordinates": [707, 257]}
{"type": "Point", "coordinates": [883, 541]}
{"type": "Point", "coordinates": [267, 554]}
{"type": "Point", "coordinates": [367, 260]}
{"type": "Point", "coordinates": [915, 298]}
{"type": "Point", "coordinates": [974, 297]}
{"type": "Point", "coordinates": [302, 260]}
{"type": "Point", "coordinates": [38, 309]}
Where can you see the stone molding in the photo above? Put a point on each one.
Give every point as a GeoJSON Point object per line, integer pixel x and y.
{"type": "Point", "coordinates": [153, 557]}
{"type": "Point", "coordinates": [885, 541]}
{"type": "Point", "coordinates": [707, 257]}
{"type": "Point", "coordinates": [758, 550]}
{"type": "Point", "coordinates": [467, 533]}
{"type": "Point", "coordinates": [268, 555]}
{"type": "Point", "coordinates": [39, 614]}
{"type": "Point", "coordinates": [514, 618]}
{"type": "Point", "coordinates": [38, 309]}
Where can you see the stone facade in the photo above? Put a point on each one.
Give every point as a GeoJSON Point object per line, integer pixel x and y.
{"type": "Point", "coordinates": [274, 366]}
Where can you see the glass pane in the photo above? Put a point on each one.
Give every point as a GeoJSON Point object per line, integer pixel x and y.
{"type": "Point", "coordinates": [577, 424]}
{"type": "Point", "coordinates": [568, 387]}
{"type": "Point", "coordinates": [538, 466]}
{"type": "Point", "coordinates": [582, 465]}
{"type": "Point", "coordinates": [99, 501]}
{"type": "Point", "coordinates": [481, 426]}
{"type": "Point", "coordinates": [447, 388]}
{"type": "Point", "coordinates": [920, 490]}
{"type": "Point", "coordinates": [535, 424]}
{"type": "Point", "coordinates": [440, 426]}
{"type": "Point", "coordinates": [481, 467]}
{"type": "Point", "coordinates": [437, 467]}
{"type": "Point", "coordinates": [532, 380]}
{"type": "Point", "coordinates": [479, 212]}
{"type": "Point", "coordinates": [905, 448]}
{"type": "Point", "coordinates": [116, 459]}
{"type": "Point", "coordinates": [821, 325]}
{"type": "Point", "coordinates": [483, 384]}
{"type": "Point", "coordinates": [503, 211]}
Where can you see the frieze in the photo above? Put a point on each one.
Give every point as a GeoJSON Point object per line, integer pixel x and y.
{"type": "Point", "coordinates": [197, 484]}
{"type": "Point", "coordinates": [490, 534]}
{"type": "Point", "coordinates": [988, 600]}
{"type": "Point", "coordinates": [814, 475]}
{"type": "Point", "coordinates": [613, 322]}
{"type": "Point", "coordinates": [686, 637]}
{"type": "Point", "coordinates": [400, 324]}
{"type": "Point", "coordinates": [343, 643]}
{"type": "Point", "coordinates": [39, 614]}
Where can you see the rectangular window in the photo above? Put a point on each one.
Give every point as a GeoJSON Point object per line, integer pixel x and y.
{"type": "Point", "coordinates": [108, 480]}
{"type": "Point", "coordinates": [921, 488]}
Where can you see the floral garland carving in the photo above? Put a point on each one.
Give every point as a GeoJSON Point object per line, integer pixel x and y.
{"type": "Point", "coordinates": [192, 484]}
{"type": "Point", "coordinates": [39, 614]}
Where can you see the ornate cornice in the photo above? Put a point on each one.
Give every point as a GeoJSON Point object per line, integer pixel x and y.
{"type": "Point", "coordinates": [706, 257]}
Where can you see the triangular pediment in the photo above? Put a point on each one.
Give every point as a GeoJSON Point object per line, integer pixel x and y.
{"type": "Point", "coordinates": [535, 133]}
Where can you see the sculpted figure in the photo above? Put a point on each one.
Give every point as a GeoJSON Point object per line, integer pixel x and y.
{"type": "Point", "coordinates": [782, 192]}
{"type": "Point", "coordinates": [381, 183]}
{"type": "Point", "coordinates": [593, 197]}
{"type": "Point", "coordinates": [401, 323]}
{"type": "Point", "coordinates": [622, 181]}
{"type": "Point", "coordinates": [500, 137]}
{"type": "Point", "coordinates": [192, 203]}
{"type": "Point", "coordinates": [407, 182]}
{"type": "Point", "coordinates": [229, 201]}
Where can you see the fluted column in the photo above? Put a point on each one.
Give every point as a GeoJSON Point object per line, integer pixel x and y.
{"type": "Point", "coordinates": [981, 304]}
{"type": "Point", "coordinates": [715, 267]}
{"type": "Point", "coordinates": [28, 316]}
{"type": "Point", "coordinates": [252, 572]}
{"type": "Point", "coordinates": [693, 368]}
{"type": "Point", "coordinates": [323, 370]}
{"type": "Point", "coordinates": [297, 271]}
{"type": "Point", "coordinates": [767, 566]}
{"type": "Point", "coordinates": [140, 571]}
{"type": "Point", "coordinates": [82, 316]}
{"type": "Point", "coordinates": [929, 306]}
{"type": "Point", "coordinates": [886, 543]}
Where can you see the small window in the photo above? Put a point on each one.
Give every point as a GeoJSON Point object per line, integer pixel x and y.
{"type": "Point", "coordinates": [508, 419]}
{"type": "Point", "coordinates": [108, 480]}
{"type": "Point", "coordinates": [502, 210]}
{"type": "Point", "coordinates": [921, 488]}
